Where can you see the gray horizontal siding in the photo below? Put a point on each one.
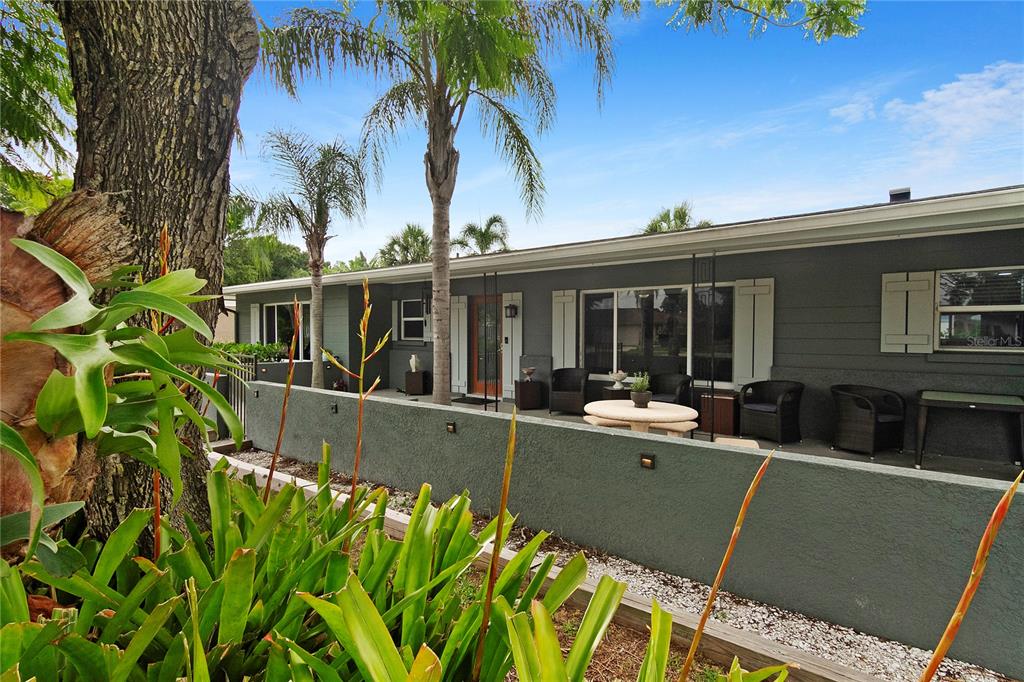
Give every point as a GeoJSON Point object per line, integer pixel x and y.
{"type": "Point", "coordinates": [336, 322]}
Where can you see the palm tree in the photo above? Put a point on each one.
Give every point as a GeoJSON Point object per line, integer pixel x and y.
{"type": "Point", "coordinates": [674, 220]}
{"type": "Point", "coordinates": [441, 57]}
{"type": "Point", "coordinates": [411, 245]}
{"type": "Point", "coordinates": [492, 237]}
{"type": "Point", "coordinates": [322, 178]}
{"type": "Point", "coordinates": [359, 262]}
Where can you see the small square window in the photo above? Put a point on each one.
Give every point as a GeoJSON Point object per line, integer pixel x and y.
{"type": "Point", "coordinates": [413, 322]}
{"type": "Point", "coordinates": [412, 309]}
{"type": "Point", "coordinates": [412, 329]}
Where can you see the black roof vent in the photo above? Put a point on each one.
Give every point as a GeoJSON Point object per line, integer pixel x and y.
{"type": "Point", "coordinates": [899, 194]}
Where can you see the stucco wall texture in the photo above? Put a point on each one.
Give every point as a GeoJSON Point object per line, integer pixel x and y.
{"type": "Point", "coordinates": [879, 549]}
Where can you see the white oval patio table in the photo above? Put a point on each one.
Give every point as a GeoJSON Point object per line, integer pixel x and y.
{"type": "Point", "coordinates": [640, 418]}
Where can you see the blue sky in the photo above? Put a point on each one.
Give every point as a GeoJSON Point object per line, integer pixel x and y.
{"type": "Point", "coordinates": [930, 95]}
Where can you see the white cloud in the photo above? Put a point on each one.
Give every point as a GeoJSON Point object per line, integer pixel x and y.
{"type": "Point", "coordinates": [981, 109]}
{"type": "Point", "coordinates": [860, 108]}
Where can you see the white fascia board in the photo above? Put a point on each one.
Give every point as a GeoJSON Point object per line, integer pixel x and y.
{"type": "Point", "coordinates": [998, 209]}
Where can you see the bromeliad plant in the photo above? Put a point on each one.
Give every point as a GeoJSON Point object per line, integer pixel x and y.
{"type": "Point", "coordinates": [131, 386]}
{"type": "Point", "coordinates": [275, 599]}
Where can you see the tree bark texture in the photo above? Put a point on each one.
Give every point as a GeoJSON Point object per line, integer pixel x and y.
{"type": "Point", "coordinates": [315, 245]}
{"type": "Point", "coordinates": [441, 164]}
{"type": "Point", "coordinates": [157, 87]}
{"type": "Point", "coordinates": [85, 228]}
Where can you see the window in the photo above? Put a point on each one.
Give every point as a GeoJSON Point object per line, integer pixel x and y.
{"type": "Point", "coordinates": [599, 332]}
{"type": "Point", "coordinates": [650, 330]}
{"type": "Point", "coordinates": [981, 310]}
{"type": "Point", "coordinates": [413, 320]}
{"type": "Point", "coordinates": [279, 328]}
{"type": "Point", "coordinates": [712, 349]}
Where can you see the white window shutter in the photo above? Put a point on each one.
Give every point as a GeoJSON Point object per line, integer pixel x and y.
{"type": "Point", "coordinates": [908, 312]}
{"type": "Point", "coordinates": [512, 342]}
{"type": "Point", "coordinates": [459, 344]}
{"type": "Point", "coordinates": [563, 329]}
{"type": "Point", "coordinates": [920, 311]}
{"type": "Point", "coordinates": [753, 332]}
{"type": "Point", "coordinates": [254, 323]}
{"type": "Point", "coordinates": [396, 321]}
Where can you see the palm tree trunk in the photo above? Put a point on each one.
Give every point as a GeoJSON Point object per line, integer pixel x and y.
{"type": "Point", "coordinates": [442, 164]}
{"type": "Point", "coordinates": [441, 301]}
{"type": "Point", "coordinates": [157, 88]}
{"type": "Point", "coordinates": [316, 320]}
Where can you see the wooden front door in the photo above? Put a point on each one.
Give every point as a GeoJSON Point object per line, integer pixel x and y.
{"type": "Point", "coordinates": [485, 344]}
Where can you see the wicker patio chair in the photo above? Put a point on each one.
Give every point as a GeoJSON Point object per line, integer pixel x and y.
{"type": "Point", "coordinates": [771, 409]}
{"type": "Point", "coordinates": [672, 388]}
{"type": "Point", "coordinates": [868, 419]}
{"type": "Point", "coordinates": [568, 390]}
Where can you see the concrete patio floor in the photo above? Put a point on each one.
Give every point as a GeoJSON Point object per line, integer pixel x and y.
{"type": "Point", "coordinates": [967, 466]}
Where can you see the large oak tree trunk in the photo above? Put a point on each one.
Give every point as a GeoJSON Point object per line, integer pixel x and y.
{"type": "Point", "coordinates": [157, 87]}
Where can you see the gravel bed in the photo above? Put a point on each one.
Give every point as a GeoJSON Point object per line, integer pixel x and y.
{"type": "Point", "coordinates": [884, 659]}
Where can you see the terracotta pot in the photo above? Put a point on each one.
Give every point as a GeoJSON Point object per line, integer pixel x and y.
{"type": "Point", "coordinates": [640, 399]}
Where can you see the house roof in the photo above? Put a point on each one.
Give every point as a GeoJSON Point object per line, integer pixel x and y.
{"type": "Point", "coordinates": [992, 209]}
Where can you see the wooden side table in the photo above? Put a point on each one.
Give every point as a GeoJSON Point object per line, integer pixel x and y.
{"type": "Point", "coordinates": [725, 409]}
{"type": "Point", "coordinates": [529, 395]}
{"type": "Point", "coordinates": [417, 383]}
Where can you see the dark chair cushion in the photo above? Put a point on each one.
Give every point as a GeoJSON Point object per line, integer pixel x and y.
{"type": "Point", "coordinates": [889, 418]}
{"type": "Point", "coordinates": [664, 397]}
{"type": "Point", "coordinates": [761, 407]}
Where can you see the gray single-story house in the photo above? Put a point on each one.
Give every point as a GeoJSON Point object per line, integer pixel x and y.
{"type": "Point", "coordinates": [907, 295]}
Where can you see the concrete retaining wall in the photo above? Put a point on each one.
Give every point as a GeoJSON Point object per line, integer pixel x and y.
{"type": "Point", "coordinates": [878, 549]}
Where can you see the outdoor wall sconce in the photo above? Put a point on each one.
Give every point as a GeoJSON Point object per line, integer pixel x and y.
{"type": "Point", "coordinates": [647, 461]}
{"type": "Point", "coordinates": [511, 311]}
{"type": "Point", "coordinates": [450, 427]}
{"type": "Point", "coordinates": [334, 408]}
{"type": "Point", "coordinates": [256, 393]}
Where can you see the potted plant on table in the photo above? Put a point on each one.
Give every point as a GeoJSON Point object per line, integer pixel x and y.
{"type": "Point", "coordinates": [640, 389]}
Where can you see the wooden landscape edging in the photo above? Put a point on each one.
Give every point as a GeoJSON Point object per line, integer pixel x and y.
{"type": "Point", "coordinates": [719, 643]}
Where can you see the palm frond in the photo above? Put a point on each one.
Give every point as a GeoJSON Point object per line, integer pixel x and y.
{"type": "Point", "coordinates": [579, 26]}
{"type": "Point", "coordinates": [295, 154]}
{"type": "Point", "coordinates": [480, 239]}
{"type": "Point", "coordinates": [534, 88]}
{"type": "Point", "coordinates": [279, 213]}
{"type": "Point", "coordinates": [340, 178]}
{"type": "Point", "coordinates": [313, 42]}
{"type": "Point", "coordinates": [403, 102]}
{"type": "Point", "coordinates": [411, 245]}
{"type": "Point", "coordinates": [513, 144]}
